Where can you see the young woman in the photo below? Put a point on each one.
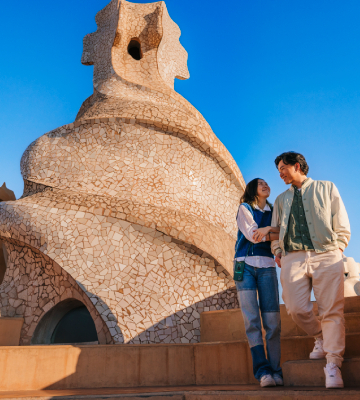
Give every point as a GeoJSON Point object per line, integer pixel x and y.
{"type": "Point", "coordinates": [259, 281]}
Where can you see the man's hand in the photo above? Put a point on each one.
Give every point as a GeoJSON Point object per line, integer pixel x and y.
{"type": "Point", "coordinates": [260, 233]}
{"type": "Point", "coordinates": [278, 259]}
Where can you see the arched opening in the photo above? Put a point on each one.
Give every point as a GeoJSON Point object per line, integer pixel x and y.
{"type": "Point", "coordinates": [68, 322]}
{"type": "Point", "coordinates": [3, 261]}
{"type": "Point", "coordinates": [134, 49]}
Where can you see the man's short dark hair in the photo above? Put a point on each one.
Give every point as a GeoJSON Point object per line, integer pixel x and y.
{"type": "Point", "coordinates": [290, 157]}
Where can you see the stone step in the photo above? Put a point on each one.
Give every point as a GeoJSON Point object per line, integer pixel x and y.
{"type": "Point", "coordinates": [352, 322]}
{"type": "Point", "coordinates": [228, 325]}
{"type": "Point", "coordinates": [352, 304]}
{"type": "Point", "coordinates": [311, 373]}
{"type": "Point", "coordinates": [299, 348]}
{"type": "Point", "coordinates": [128, 366]}
{"type": "Point", "coordinates": [231, 392]}
{"type": "Point", "coordinates": [290, 329]}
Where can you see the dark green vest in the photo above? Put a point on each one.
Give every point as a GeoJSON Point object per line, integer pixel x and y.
{"type": "Point", "coordinates": [298, 235]}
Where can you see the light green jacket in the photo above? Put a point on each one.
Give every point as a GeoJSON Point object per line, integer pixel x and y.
{"type": "Point", "coordinates": [325, 214]}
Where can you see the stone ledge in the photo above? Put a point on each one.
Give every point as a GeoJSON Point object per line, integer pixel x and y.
{"type": "Point", "coordinates": [124, 366]}
{"type": "Point", "coordinates": [229, 392]}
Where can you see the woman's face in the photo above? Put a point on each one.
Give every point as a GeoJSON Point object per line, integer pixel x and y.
{"type": "Point", "coordinates": [263, 189]}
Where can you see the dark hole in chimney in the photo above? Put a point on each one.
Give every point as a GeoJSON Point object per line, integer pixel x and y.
{"type": "Point", "coordinates": [134, 49]}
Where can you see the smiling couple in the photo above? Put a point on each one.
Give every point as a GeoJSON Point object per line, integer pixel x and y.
{"type": "Point", "coordinates": [306, 230]}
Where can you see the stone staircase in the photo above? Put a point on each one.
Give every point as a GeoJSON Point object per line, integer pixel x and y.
{"type": "Point", "coordinates": [219, 368]}
{"type": "Point", "coordinates": [295, 344]}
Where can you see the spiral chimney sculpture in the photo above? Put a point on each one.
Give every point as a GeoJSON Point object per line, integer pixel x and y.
{"type": "Point", "coordinates": [131, 209]}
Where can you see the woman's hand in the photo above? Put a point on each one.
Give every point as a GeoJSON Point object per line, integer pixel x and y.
{"type": "Point", "coordinates": [260, 233]}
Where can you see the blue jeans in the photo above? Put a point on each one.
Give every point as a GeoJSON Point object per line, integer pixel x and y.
{"type": "Point", "coordinates": [261, 282]}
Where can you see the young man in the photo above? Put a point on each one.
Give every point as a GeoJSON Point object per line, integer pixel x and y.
{"type": "Point", "coordinates": [314, 231]}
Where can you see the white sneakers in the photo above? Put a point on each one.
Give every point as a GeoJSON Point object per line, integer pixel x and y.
{"type": "Point", "coordinates": [278, 380]}
{"type": "Point", "coordinates": [318, 352]}
{"type": "Point", "coordinates": [332, 371]}
{"type": "Point", "coordinates": [267, 380]}
{"type": "Point", "coordinates": [274, 380]}
{"type": "Point", "coordinates": [333, 376]}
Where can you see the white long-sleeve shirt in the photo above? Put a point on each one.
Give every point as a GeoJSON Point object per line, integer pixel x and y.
{"type": "Point", "coordinates": [248, 226]}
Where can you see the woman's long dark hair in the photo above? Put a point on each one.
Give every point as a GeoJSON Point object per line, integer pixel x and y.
{"type": "Point", "coordinates": [250, 194]}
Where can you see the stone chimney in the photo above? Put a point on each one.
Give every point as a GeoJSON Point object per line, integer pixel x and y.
{"type": "Point", "coordinates": [6, 194]}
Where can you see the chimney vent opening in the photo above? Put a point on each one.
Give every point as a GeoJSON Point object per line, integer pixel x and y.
{"type": "Point", "coordinates": [134, 49]}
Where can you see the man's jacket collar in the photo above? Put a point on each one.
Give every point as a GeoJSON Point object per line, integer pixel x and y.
{"type": "Point", "coordinates": [304, 185]}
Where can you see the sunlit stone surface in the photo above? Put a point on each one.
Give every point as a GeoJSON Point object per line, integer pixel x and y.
{"type": "Point", "coordinates": [351, 279]}
{"type": "Point", "coordinates": [131, 208]}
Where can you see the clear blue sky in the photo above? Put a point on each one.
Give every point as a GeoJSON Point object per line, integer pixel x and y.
{"type": "Point", "coordinates": [268, 75]}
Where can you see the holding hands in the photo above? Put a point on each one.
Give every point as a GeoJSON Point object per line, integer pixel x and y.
{"type": "Point", "coordinates": [260, 233]}
{"type": "Point", "coordinates": [278, 259]}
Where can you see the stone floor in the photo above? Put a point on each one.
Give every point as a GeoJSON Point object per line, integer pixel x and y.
{"type": "Point", "coordinates": [216, 392]}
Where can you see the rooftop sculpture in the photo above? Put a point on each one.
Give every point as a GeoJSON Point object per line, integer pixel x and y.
{"type": "Point", "coordinates": [6, 194]}
{"type": "Point", "coordinates": [130, 209]}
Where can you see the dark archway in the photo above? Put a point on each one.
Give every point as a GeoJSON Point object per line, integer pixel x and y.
{"type": "Point", "coordinates": [67, 322]}
{"type": "Point", "coordinates": [134, 49]}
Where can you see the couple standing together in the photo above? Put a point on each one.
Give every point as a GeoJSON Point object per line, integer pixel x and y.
{"type": "Point", "coordinates": [306, 230]}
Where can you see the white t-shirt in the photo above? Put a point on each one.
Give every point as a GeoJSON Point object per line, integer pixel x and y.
{"type": "Point", "coordinates": [248, 226]}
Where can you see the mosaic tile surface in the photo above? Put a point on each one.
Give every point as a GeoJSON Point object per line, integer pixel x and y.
{"type": "Point", "coordinates": [132, 207]}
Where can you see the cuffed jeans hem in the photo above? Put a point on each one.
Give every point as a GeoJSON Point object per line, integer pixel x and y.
{"type": "Point", "coordinates": [337, 360]}
{"type": "Point", "coordinates": [279, 372]}
{"type": "Point", "coordinates": [261, 365]}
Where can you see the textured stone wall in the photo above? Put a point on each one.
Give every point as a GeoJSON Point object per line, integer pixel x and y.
{"type": "Point", "coordinates": [131, 161]}
{"type": "Point", "coordinates": [154, 285]}
{"type": "Point", "coordinates": [33, 284]}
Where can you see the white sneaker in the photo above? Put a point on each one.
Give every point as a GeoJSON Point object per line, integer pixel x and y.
{"type": "Point", "coordinates": [267, 380]}
{"type": "Point", "coordinates": [278, 380]}
{"type": "Point", "coordinates": [333, 376]}
{"type": "Point", "coordinates": [318, 352]}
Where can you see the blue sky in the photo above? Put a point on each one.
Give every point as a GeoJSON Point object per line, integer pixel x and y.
{"type": "Point", "coordinates": [268, 75]}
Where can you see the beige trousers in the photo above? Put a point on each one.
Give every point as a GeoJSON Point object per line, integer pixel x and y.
{"type": "Point", "coordinates": [324, 272]}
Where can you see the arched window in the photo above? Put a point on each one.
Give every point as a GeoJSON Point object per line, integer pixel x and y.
{"type": "Point", "coordinates": [67, 322]}
{"type": "Point", "coordinates": [134, 49]}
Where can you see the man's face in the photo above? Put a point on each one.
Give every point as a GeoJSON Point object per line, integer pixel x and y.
{"type": "Point", "coordinates": [289, 173]}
